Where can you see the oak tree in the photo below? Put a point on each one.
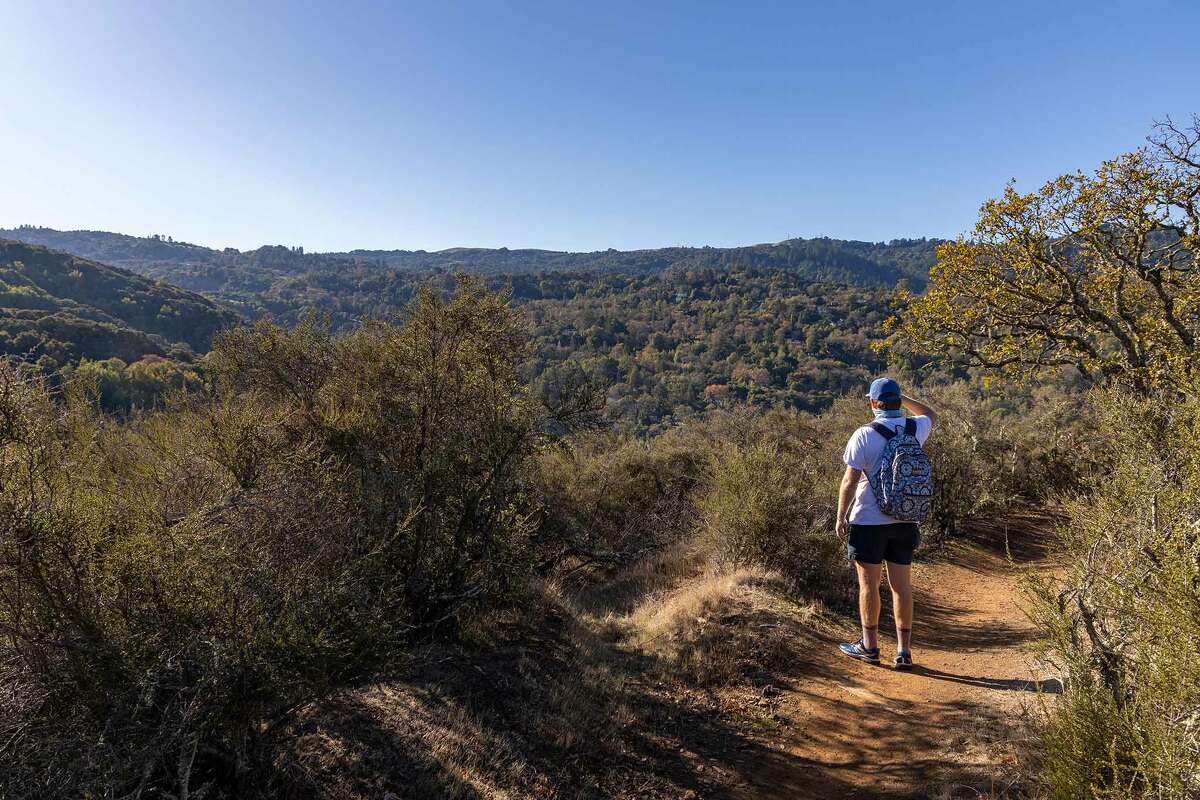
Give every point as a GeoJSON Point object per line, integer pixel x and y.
{"type": "Point", "coordinates": [1092, 271]}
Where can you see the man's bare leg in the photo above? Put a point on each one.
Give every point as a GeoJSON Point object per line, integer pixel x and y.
{"type": "Point", "coordinates": [868, 602]}
{"type": "Point", "coordinates": [900, 579]}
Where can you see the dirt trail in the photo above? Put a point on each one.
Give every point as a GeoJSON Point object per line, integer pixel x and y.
{"type": "Point", "coordinates": [862, 731]}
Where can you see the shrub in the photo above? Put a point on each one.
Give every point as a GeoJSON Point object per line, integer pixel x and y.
{"type": "Point", "coordinates": [758, 489]}
{"type": "Point", "coordinates": [1123, 626]}
{"type": "Point", "coordinates": [760, 509]}
{"type": "Point", "coordinates": [610, 500]}
{"type": "Point", "coordinates": [122, 388]}
{"type": "Point", "coordinates": [172, 590]}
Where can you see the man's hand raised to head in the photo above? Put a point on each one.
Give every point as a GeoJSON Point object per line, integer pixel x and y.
{"type": "Point", "coordinates": [917, 408]}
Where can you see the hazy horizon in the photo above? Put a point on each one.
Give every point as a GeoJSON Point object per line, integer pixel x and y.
{"type": "Point", "coordinates": [566, 127]}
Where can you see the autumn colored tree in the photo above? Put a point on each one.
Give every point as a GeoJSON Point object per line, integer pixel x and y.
{"type": "Point", "coordinates": [1093, 271]}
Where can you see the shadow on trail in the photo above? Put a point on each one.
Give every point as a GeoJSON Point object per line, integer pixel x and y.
{"type": "Point", "coordinates": [1025, 536]}
{"type": "Point", "coordinates": [877, 747]}
{"type": "Point", "coordinates": [1049, 685]}
{"type": "Point", "coordinates": [942, 626]}
{"type": "Point", "coordinates": [904, 735]}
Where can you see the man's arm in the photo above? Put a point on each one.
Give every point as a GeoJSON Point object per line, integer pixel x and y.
{"type": "Point", "coordinates": [845, 498]}
{"type": "Point", "coordinates": [918, 409]}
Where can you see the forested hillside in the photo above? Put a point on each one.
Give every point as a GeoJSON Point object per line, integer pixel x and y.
{"type": "Point", "coordinates": [666, 333]}
{"type": "Point", "coordinates": [56, 309]}
{"type": "Point", "coordinates": [255, 276]}
{"type": "Point", "coordinates": [666, 346]}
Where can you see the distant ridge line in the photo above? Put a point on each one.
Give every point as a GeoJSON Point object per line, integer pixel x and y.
{"type": "Point", "coordinates": [823, 258]}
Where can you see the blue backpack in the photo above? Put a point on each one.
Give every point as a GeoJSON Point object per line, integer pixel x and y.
{"type": "Point", "coordinates": [903, 480]}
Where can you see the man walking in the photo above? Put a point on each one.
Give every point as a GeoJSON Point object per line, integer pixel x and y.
{"type": "Point", "coordinates": [872, 536]}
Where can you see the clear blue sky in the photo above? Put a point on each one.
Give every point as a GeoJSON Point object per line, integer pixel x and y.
{"type": "Point", "coordinates": [567, 125]}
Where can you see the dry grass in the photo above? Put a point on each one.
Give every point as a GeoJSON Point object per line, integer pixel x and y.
{"type": "Point", "coordinates": [997, 747]}
{"type": "Point", "coordinates": [698, 622]}
{"type": "Point", "coordinates": [719, 627]}
{"type": "Point", "coordinates": [639, 582]}
{"type": "Point", "coordinates": [358, 743]}
{"type": "Point", "coordinates": [693, 621]}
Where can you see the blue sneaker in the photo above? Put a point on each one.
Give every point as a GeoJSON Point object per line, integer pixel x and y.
{"type": "Point", "coordinates": [860, 651]}
{"type": "Point", "coordinates": [903, 660]}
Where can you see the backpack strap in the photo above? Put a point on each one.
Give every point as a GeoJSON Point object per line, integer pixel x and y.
{"type": "Point", "coordinates": [883, 430]}
{"type": "Point", "coordinates": [910, 426]}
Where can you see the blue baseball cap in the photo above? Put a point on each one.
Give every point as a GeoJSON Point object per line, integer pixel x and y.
{"type": "Point", "coordinates": [884, 389]}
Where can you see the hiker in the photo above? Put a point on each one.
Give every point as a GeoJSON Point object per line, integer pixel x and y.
{"type": "Point", "coordinates": [885, 493]}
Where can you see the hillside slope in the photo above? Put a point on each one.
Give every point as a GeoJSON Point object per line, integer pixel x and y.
{"type": "Point", "coordinates": [670, 332]}
{"type": "Point", "coordinates": [57, 306]}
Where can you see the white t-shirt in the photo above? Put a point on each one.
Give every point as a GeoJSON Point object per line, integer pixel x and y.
{"type": "Point", "coordinates": [863, 452]}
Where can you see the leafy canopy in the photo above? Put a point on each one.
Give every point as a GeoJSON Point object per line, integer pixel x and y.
{"type": "Point", "coordinates": [1096, 272]}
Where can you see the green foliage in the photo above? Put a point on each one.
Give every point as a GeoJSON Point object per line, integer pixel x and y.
{"type": "Point", "coordinates": [665, 346]}
{"type": "Point", "coordinates": [670, 346]}
{"type": "Point", "coordinates": [277, 270]}
{"type": "Point", "coordinates": [145, 384]}
{"type": "Point", "coordinates": [97, 299]}
{"type": "Point", "coordinates": [608, 499]}
{"type": "Point", "coordinates": [669, 334]}
{"type": "Point", "coordinates": [748, 487]}
{"type": "Point", "coordinates": [761, 508]}
{"type": "Point", "coordinates": [1124, 622]}
{"type": "Point", "coordinates": [172, 588]}
{"type": "Point", "coordinates": [53, 339]}
{"type": "Point", "coordinates": [430, 423]}
{"type": "Point", "coordinates": [995, 448]}
{"type": "Point", "coordinates": [131, 337]}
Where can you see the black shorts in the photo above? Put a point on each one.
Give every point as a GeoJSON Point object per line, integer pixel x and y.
{"type": "Point", "coordinates": [873, 544]}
